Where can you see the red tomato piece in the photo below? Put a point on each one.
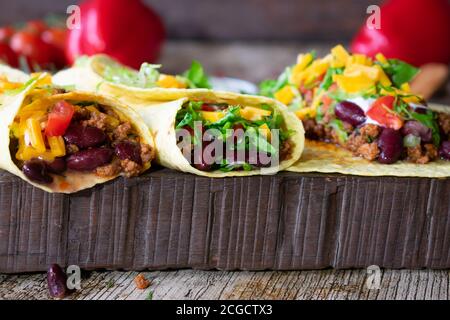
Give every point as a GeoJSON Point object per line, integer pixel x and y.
{"type": "Point", "coordinates": [31, 46]}
{"type": "Point", "coordinates": [5, 34]}
{"type": "Point", "coordinates": [382, 112]}
{"type": "Point", "coordinates": [59, 119]}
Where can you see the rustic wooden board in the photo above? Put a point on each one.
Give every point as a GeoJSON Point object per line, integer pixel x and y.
{"type": "Point", "coordinates": [167, 219]}
{"type": "Point", "coordinates": [283, 285]}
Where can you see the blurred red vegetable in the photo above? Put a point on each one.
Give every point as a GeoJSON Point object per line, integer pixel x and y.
{"type": "Point", "coordinates": [6, 33]}
{"type": "Point", "coordinates": [416, 31]}
{"type": "Point", "coordinates": [7, 55]}
{"type": "Point", "coordinates": [30, 46]}
{"type": "Point", "coordinates": [127, 30]}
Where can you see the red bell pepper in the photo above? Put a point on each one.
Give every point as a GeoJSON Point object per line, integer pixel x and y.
{"type": "Point", "coordinates": [416, 31]}
{"type": "Point", "coordinates": [127, 30]}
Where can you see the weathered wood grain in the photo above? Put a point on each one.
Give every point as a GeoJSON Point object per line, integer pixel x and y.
{"type": "Point", "coordinates": [198, 285]}
{"type": "Point", "coordinates": [288, 221]}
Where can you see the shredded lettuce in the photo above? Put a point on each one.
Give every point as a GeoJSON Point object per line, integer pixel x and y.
{"type": "Point", "coordinates": [269, 87]}
{"type": "Point", "coordinates": [196, 77]}
{"type": "Point", "coordinates": [399, 71]}
{"type": "Point", "coordinates": [253, 139]}
{"type": "Point", "coordinates": [338, 127]}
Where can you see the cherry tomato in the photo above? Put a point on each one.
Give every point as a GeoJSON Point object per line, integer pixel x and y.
{"type": "Point", "coordinates": [59, 119]}
{"type": "Point", "coordinates": [56, 38]}
{"type": "Point", "coordinates": [36, 26]}
{"type": "Point", "coordinates": [7, 55]}
{"type": "Point", "coordinates": [31, 46]}
{"type": "Point", "coordinates": [5, 34]}
{"type": "Point", "coordinates": [380, 111]}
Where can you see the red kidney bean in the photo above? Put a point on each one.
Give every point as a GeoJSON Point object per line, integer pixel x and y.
{"type": "Point", "coordinates": [58, 166]}
{"type": "Point", "coordinates": [89, 159]}
{"type": "Point", "coordinates": [129, 150]}
{"type": "Point", "coordinates": [417, 129]}
{"type": "Point", "coordinates": [350, 112]}
{"type": "Point", "coordinates": [444, 150]}
{"type": "Point", "coordinates": [36, 170]}
{"type": "Point", "coordinates": [57, 282]}
{"type": "Point", "coordinates": [390, 144]}
{"type": "Point", "coordinates": [258, 159]}
{"type": "Point", "coordinates": [84, 137]}
{"type": "Point", "coordinates": [213, 107]}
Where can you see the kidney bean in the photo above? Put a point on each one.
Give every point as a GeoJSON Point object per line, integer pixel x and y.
{"type": "Point", "coordinates": [350, 112]}
{"type": "Point", "coordinates": [258, 159]}
{"type": "Point", "coordinates": [57, 282]}
{"type": "Point", "coordinates": [444, 150]}
{"type": "Point", "coordinates": [58, 166]}
{"type": "Point", "coordinates": [84, 137]}
{"type": "Point", "coordinates": [390, 144]}
{"type": "Point", "coordinates": [417, 129]}
{"type": "Point", "coordinates": [89, 159]}
{"type": "Point", "coordinates": [214, 107]}
{"type": "Point", "coordinates": [36, 170]}
{"type": "Point", "coordinates": [129, 150]}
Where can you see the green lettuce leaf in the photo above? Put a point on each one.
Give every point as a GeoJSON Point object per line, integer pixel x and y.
{"type": "Point", "coordinates": [196, 76]}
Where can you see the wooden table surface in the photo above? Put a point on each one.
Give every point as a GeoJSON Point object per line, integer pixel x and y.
{"type": "Point", "coordinates": [252, 62]}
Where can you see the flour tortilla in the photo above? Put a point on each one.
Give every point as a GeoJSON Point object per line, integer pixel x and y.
{"type": "Point", "coordinates": [13, 75]}
{"type": "Point", "coordinates": [159, 107]}
{"type": "Point", "coordinates": [76, 181]}
{"type": "Point", "coordinates": [160, 117]}
{"type": "Point", "coordinates": [328, 158]}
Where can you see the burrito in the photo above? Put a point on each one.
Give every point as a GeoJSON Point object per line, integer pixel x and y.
{"type": "Point", "coordinates": [101, 70]}
{"type": "Point", "coordinates": [360, 116]}
{"type": "Point", "coordinates": [200, 131]}
{"type": "Point", "coordinates": [64, 142]}
{"type": "Point", "coordinates": [220, 134]}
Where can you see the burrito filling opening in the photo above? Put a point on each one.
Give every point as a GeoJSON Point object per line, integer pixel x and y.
{"type": "Point", "coordinates": [53, 140]}
{"type": "Point", "coordinates": [231, 137]}
{"type": "Point", "coordinates": [364, 105]}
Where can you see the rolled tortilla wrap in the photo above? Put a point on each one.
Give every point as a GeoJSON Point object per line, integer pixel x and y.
{"type": "Point", "coordinates": [161, 119]}
{"type": "Point", "coordinates": [69, 180]}
{"type": "Point", "coordinates": [13, 75]}
{"type": "Point", "coordinates": [159, 108]}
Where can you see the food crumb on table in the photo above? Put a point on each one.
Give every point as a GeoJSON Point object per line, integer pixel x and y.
{"type": "Point", "coordinates": [141, 281]}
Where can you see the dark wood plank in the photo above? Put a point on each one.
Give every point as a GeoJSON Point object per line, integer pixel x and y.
{"type": "Point", "coordinates": [289, 221]}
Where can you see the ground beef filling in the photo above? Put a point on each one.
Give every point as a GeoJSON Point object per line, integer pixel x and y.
{"type": "Point", "coordinates": [119, 133]}
{"type": "Point", "coordinates": [363, 141]}
{"type": "Point", "coordinates": [444, 124]}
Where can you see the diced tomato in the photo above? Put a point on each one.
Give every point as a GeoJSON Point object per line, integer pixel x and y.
{"type": "Point", "coordinates": [59, 119]}
{"type": "Point", "coordinates": [382, 112]}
